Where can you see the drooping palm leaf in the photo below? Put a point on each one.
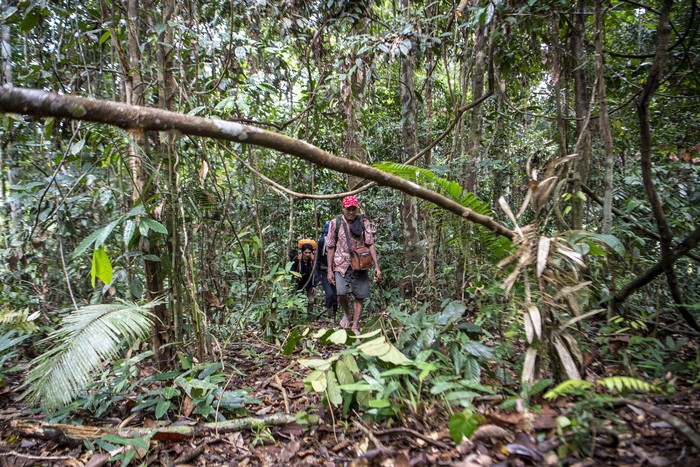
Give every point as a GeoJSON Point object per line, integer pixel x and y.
{"type": "Point", "coordinates": [86, 339]}
{"type": "Point", "coordinates": [497, 246]}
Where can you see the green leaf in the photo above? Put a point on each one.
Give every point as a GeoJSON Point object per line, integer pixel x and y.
{"type": "Point", "coordinates": [161, 408]}
{"type": "Point", "coordinates": [77, 147]}
{"type": "Point", "coordinates": [48, 127]}
{"type": "Point", "coordinates": [462, 425]}
{"type": "Point", "coordinates": [394, 356]}
{"type": "Point", "coordinates": [452, 312]}
{"type": "Point", "coordinates": [339, 337]}
{"type": "Point", "coordinates": [356, 387]}
{"type": "Point", "coordinates": [155, 225]}
{"type": "Point", "coordinates": [343, 373]}
{"type": "Point", "coordinates": [129, 230]}
{"type": "Point", "coordinates": [104, 37]}
{"type": "Point", "coordinates": [318, 380]}
{"type": "Point", "coordinates": [332, 389]}
{"type": "Point", "coordinates": [105, 233]}
{"type": "Point", "coordinates": [85, 244]}
{"type": "Point", "coordinates": [101, 267]}
{"type": "Point", "coordinates": [379, 403]}
{"type": "Point", "coordinates": [137, 442]}
{"type": "Point", "coordinates": [376, 347]}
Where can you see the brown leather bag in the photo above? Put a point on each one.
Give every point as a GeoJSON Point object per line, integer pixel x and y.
{"type": "Point", "coordinates": [360, 257]}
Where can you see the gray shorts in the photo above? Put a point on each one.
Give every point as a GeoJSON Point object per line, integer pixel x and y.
{"type": "Point", "coordinates": [358, 280]}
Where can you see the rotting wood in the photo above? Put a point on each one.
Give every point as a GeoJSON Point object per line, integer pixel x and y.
{"type": "Point", "coordinates": [75, 434]}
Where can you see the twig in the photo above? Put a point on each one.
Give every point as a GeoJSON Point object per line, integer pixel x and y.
{"type": "Point", "coordinates": [37, 458]}
{"type": "Point", "coordinates": [278, 384]}
{"type": "Point", "coordinates": [415, 433]}
{"type": "Point", "coordinates": [672, 420]}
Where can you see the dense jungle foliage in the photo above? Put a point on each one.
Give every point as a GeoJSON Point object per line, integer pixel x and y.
{"type": "Point", "coordinates": [546, 236]}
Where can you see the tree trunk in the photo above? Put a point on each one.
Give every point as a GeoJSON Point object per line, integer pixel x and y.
{"type": "Point", "coordinates": [582, 166]}
{"type": "Point", "coordinates": [414, 250]}
{"type": "Point", "coordinates": [603, 121]}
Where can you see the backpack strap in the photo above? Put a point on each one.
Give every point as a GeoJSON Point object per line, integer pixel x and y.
{"type": "Point", "coordinates": [339, 220]}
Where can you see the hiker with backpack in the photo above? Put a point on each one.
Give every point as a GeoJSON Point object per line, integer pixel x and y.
{"type": "Point", "coordinates": [351, 252]}
{"type": "Point", "coordinates": [322, 273]}
{"type": "Point", "coordinates": [304, 264]}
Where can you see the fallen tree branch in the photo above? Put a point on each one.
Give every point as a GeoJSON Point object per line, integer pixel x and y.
{"type": "Point", "coordinates": [73, 435]}
{"type": "Point", "coordinates": [138, 119]}
{"type": "Point", "coordinates": [671, 419]}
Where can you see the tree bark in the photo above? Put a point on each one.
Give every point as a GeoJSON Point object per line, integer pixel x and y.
{"type": "Point", "coordinates": [650, 86]}
{"type": "Point", "coordinates": [414, 250]}
{"type": "Point", "coordinates": [604, 121]}
{"type": "Point", "coordinates": [582, 165]}
{"type": "Point", "coordinates": [74, 435]}
{"type": "Point", "coordinates": [39, 103]}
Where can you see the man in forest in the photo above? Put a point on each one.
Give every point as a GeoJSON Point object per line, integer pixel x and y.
{"type": "Point", "coordinates": [340, 272]}
{"type": "Point", "coordinates": [322, 273]}
{"type": "Point", "coordinates": [304, 265]}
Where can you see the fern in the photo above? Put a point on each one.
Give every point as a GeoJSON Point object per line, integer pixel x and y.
{"type": "Point", "coordinates": [619, 384]}
{"type": "Point", "coordinates": [87, 338]}
{"type": "Point", "coordinates": [497, 246]}
{"type": "Point", "coordinates": [623, 384]}
{"type": "Point", "coordinates": [572, 386]}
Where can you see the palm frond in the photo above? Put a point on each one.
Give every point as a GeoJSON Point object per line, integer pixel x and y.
{"type": "Point", "coordinates": [86, 339]}
{"type": "Point", "coordinates": [497, 246]}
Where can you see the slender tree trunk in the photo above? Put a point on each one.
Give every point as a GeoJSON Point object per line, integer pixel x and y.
{"type": "Point", "coordinates": [475, 126]}
{"type": "Point", "coordinates": [653, 82]}
{"type": "Point", "coordinates": [415, 251]}
{"type": "Point", "coordinates": [7, 159]}
{"type": "Point", "coordinates": [583, 147]}
{"type": "Point", "coordinates": [603, 121]}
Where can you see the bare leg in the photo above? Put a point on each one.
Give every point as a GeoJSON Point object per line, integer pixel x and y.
{"type": "Point", "coordinates": [357, 311]}
{"type": "Point", "coordinates": [343, 300]}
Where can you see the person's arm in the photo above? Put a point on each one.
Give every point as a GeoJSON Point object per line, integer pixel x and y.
{"type": "Point", "coordinates": [330, 250]}
{"type": "Point", "coordinates": [377, 271]}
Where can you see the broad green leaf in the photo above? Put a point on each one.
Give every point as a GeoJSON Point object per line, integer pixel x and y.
{"type": "Point", "coordinates": [77, 147]}
{"type": "Point", "coordinates": [85, 244]}
{"type": "Point", "coordinates": [318, 381]}
{"type": "Point", "coordinates": [379, 403]}
{"type": "Point", "coordinates": [398, 372]}
{"type": "Point", "coordinates": [452, 312]}
{"type": "Point", "coordinates": [394, 356]}
{"type": "Point", "coordinates": [350, 362]}
{"type": "Point", "coordinates": [343, 373]}
{"type": "Point", "coordinates": [478, 350]}
{"type": "Point", "coordinates": [376, 347]}
{"type": "Point", "coordinates": [101, 267]}
{"type": "Point", "coordinates": [355, 387]}
{"type": "Point", "coordinates": [129, 230]}
{"type": "Point", "coordinates": [161, 408]}
{"type": "Point", "coordinates": [155, 225]}
{"type": "Point", "coordinates": [317, 363]}
{"type": "Point", "coordinates": [332, 389]}
{"type": "Point", "coordinates": [105, 233]}
{"type": "Point", "coordinates": [462, 425]}
{"type": "Point", "coordinates": [104, 37]}
{"type": "Point", "coordinates": [368, 334]}
{"type": "Point", "coordinates": [48, 127]}
{"type": "Point", "coordinates": [136, 211]}
{"type": "Point", "coordinates": [339, 337]}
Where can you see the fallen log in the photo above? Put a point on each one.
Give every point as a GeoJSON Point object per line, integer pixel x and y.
{"type": "Point", "coordinates": [74, 435]}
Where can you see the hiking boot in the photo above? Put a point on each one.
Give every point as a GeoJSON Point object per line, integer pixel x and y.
{"type": "Point", "coordinates": [330, 312]}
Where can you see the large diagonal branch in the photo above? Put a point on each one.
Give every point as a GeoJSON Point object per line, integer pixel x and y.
{"type": "Point", "coordinates": [40, 103]}
{"type": "Point", "coordinates": [652, 273]}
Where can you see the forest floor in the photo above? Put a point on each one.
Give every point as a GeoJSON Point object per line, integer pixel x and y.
{"type": "Point", "coordinates": [627, 435]}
